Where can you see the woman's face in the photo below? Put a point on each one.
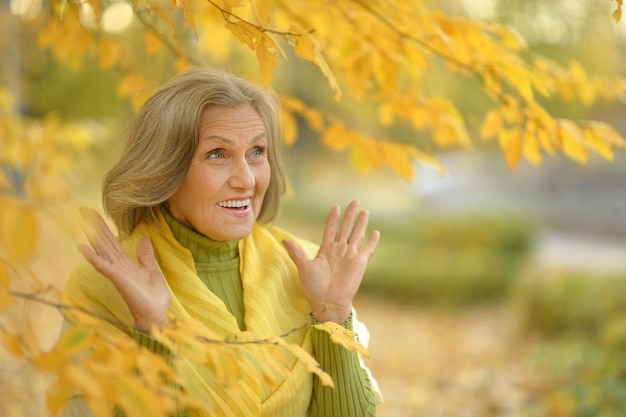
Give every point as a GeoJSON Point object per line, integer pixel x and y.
{"type": "Point", "coordinates": [222, 192]}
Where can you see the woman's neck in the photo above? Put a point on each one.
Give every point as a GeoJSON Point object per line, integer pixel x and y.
{"type": "Point", "coordinates": [202, 248]}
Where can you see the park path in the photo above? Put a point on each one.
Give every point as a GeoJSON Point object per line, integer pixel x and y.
{"type": "Point", "coordinates": [447, 364]}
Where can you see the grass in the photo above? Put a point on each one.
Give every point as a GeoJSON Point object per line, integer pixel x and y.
{"type": "Point", "coordinates": [449, 261]}
{"type": "Point", "coordinates": [583, 321]}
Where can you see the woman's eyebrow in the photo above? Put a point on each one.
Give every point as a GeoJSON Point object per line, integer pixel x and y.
{"type": "Point", "coordinates": [258, 138]}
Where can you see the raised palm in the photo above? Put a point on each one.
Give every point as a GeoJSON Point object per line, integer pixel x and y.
{"type": "Point", "coordinates": [141, 284]}
{"type": "Point", "coordinates": [331, 279]}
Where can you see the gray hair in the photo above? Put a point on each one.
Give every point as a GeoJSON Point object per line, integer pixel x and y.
{"type": "Point", "coordinates": [163, 138]}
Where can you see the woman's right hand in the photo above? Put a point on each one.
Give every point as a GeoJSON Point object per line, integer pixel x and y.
{"type": "Point", "coordinates": [142, 285]}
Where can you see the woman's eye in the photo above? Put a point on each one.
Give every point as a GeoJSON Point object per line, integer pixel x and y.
{"type": "Point", "coordinates": [216, 154]}
{"type": "Point", "coordinates": [258, 151]}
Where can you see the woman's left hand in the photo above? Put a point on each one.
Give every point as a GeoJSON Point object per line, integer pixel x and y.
{"type": "Point", "coordinates": [332, 278]}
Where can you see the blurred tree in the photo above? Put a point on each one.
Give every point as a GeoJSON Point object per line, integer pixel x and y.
{"type": "Point", "coordinates": [379, 52]}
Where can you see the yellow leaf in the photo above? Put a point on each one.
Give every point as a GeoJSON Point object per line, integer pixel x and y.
{"type": "Point", "coordinates": [492, 124]}
{"type": "Point", "coordinates": [56, 398]}
{"type": "Point", "coordinates": [606, 133]}
{"type": "Point", "coordinates": [246, 33]}
{"type": "Point", "coordinates": [520, 78]}
{"type": "Point", "coordinates": [131, 85]}
{"type": "Point", "coordinates": [153, 42]}
{"type": "Point", "coordinates": [6, 300]}
{"type": "Point", "coordinates": [598, 144]}
{"type": "Point", "coordinates": [586, 90]}
{"type": "Point", "coordinates": [512, 144]}
{"type": "Point", "coordinates": [311, 364]}
{"type": "Point", "coordinates": [546, 140]}
{"type": "Point", "coordinates": [572, 141]}
{"type": "Point", "coordinates": [266, 55]}
{"type": "Point", "coordinates": [430, 160]}
{"type": "Point", "coordinates": [493, 84]}
{"type": "Point", "coordinates": [138, 401]}
{"type": "Point", "coordinates": [110, 53]}
{"type": "Point", "coordinates": [100, 407]}
{"type": "Point", "coordinates": [13, 345]}
{"type": "Point", "coordinates": [290, 127]}
{"type": "Point", "coordinates": [420, 117]}
{"type": "Point", "coordinates": [385, 71]}
{"type": "Point", "coordinates": [18, 229]}
{"type": "Point", "coordinates": [359, 160]}
{"type": "Point", "coordinates": [371, 149]}
{"type": "Point", "coordinates": [84, 380]}
{"type": "Point", "coordinates": [304, 47]}
{"type": "Point", "coordinates": [307, 48]}
{"type": "Point", "coordinates": [510, 109]}
{"type": "Point", "coordinates": [181, 65]}
{"type": "Point", "coordinates": [336, 137]}
{"type": "Point", "coordinates": [617, 14]}
{"type": "Point", "coordinates": [155, 367]}
{"type": "Point", "coordinates": [74, 340]}
{"type": "Point", "coordinates": [313, 117]}
{"type": "Point", "coordinates": [167, 17]}
{"type": "Point", "coordinates": [194, 391]}
{"type": "Point", "coordinates": [399, 158]}
{"type": "Point", "coordinates": [225, 362]}
{"type": "Point", "coordinates": [190, 19]}
{"type": "Point", "coordinates": [532, 150]}
{"type": "Point", "coordinates": [340, 335]}
{"type": "Point", "coordinates": [50, 361]}
{"type": "Point", "coordinates": [301, 354]}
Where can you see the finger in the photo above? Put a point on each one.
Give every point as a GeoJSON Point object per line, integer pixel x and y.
{"type": "Point", "coordinates": [145, 255]}
{"type": "Point", "coordinates": [358, 234]}
{"type": "Point", "coordinates": [99, 235]}
{"type": "Point", "coordinates": [332, 225]}
{"type": "Point", "coordinates": [371, 244]}
{"type": "Point", "coordinates": [100, 264]}
{"type": "Point", "coordinates": [348, 222]}
{"type": "Point", "coordinates": [296, 253]}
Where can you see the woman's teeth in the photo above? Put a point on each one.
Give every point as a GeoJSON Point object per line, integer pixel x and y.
{"type": "Point", "coordinates": [235, 203]}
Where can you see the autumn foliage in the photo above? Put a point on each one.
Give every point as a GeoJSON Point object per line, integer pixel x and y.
{"type": "Point", "coordinates": [375, 51]}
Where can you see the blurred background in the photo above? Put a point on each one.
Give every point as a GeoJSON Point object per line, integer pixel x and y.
{"type": "Point", "coordinates": [494, 293]}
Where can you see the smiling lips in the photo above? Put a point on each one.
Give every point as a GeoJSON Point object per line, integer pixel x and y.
{"type": "Point", "coordinates": [236, 204]}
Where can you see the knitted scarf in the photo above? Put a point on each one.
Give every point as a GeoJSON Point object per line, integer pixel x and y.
{"type": "Point", "coordinates": [273, 302]}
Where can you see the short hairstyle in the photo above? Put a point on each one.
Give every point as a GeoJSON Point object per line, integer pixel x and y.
{"type": "Point", "coordinates": [163, 137]}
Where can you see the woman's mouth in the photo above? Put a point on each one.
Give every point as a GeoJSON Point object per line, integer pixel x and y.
{"type": "Point", "coordinates": [235, 204]}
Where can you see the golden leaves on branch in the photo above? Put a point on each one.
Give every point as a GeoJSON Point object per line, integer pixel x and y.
{"type": "Point", "coordinates": [36, 154]}
{"type": "Point", "coordinates": [109, 369]}
{"type": "Point", "coordinates": [365, 152]}
{"type": "Point", "coordinates": [258, 41]}
{"type": "Point", "coordinates": [342, 336]}
{"type": "Point", "coordinates": [527, 130]}
{"type": "Point", "coordinates": [373, 51]}
{"type": "Point", "coordinates": [617, 13]}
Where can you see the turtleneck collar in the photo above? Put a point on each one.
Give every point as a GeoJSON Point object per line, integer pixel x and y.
{"type": "Point", "coordinates": [202, 248]}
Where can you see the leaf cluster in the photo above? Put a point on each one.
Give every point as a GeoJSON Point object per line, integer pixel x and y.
{"type": "Point", "coordinates": [378, 51]}
{"type": "Point", "coordinates": [109, 369]}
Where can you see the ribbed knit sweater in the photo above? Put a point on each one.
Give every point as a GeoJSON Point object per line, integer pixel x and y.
{"type": "Point", "coordinates": [217, 265]}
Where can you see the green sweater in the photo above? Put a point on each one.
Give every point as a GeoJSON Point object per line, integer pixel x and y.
{"type": "Point", "coordinates": [217, 265]}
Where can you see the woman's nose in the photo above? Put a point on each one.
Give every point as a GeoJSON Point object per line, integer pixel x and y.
{"type": "Point", "coordinates": [242, 176]}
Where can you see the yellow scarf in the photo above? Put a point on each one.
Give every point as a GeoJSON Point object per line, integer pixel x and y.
{"type": "Point", "coordinates": [273, 302]}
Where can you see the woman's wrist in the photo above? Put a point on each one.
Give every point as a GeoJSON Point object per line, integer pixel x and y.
{"type": "Point", "coordinates": [324, 312]}
{"type": "Point", "coordinates": [145, 327]}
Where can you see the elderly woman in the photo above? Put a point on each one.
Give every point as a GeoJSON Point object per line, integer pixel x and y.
{"type": "Point", "coordinates": [192, 196]}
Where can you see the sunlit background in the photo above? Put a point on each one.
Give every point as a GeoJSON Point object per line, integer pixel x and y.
{"type": "Point", "coordinates": [494, 293]}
